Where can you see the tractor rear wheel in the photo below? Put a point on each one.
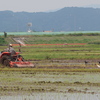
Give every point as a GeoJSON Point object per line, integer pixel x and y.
{"type": "Point", "coordinates": [5, 60]}
{"type": "Point", "coordinates": [6, 63]}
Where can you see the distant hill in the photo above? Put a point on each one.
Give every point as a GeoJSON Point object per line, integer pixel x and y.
{"type": "Point", "coordinates": [65, 19]}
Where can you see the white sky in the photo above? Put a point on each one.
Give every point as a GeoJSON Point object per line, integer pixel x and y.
{"type": "Point", "coordinates": [43, 5]}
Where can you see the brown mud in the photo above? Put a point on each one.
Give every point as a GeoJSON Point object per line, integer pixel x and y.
{"type": "Point", "coordinates": [67, 64]}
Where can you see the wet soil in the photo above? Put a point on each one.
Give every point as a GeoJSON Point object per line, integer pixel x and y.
{"type": "Point", "coordinates": [26, 82]}
{"type": "Point", "coordinates": [42, 85]}
{"type": "Point", "coordinates": [67, 64]}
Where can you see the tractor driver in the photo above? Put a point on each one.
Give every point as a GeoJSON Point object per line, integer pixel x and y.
{"type": "Point", "coordinates": [10, 48]}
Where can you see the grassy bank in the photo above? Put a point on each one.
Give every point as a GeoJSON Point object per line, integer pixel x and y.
{"type": "Point", "coordinates": [93, 38]}
{"type": "Point", "coordinates": [56, 39]}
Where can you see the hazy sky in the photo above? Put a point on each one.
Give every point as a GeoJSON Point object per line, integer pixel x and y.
{"type": "Point", "coordinates": [43, 5]}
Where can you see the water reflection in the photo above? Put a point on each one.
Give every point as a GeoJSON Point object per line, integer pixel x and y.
{"type": "Point", "coordinates": [53, 96]}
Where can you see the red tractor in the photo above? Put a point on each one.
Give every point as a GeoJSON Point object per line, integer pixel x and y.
{"type": "Point", "coordinates": [14, 60]}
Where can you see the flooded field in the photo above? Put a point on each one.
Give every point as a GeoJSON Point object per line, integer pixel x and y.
{"type": "Point", "coordinates": [53, 96]}
{"type": "Point", "coordinates": [48, 85]}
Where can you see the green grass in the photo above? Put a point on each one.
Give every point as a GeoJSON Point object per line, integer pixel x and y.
{"type": "Point", "coordinates": [56, 39]}
{"type": "Point", "coordinates": [2, 41]}
{"type": "Point", "coordinates": [61, 52]}
{"type": "Point", "coordinates": [46, 70]}
{"type": "Point", "coordinates": [45, 52]}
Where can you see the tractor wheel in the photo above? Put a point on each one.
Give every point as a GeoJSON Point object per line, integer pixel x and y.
{"type": "Point", "coordinates": [6, 63]}
{"type": "Point", "coordinates": [5, 60]}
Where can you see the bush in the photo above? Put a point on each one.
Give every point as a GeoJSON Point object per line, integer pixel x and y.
{"type": "Point", "coordinates": [2, 41]}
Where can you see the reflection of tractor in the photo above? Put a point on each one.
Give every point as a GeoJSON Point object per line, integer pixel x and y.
{"type": "Point", "coordinates": [14, 60]}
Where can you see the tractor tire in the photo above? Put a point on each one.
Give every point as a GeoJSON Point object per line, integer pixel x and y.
{"type": "Point", "coordinates": [5, 60]}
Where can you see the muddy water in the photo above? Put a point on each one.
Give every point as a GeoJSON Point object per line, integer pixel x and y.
{"type": "Point", "coordinates": [40, 85]}
{"type": "Point", "coordinates": [53, 96]}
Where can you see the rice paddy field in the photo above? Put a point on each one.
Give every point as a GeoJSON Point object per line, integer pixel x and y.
{"type": "Point", "coordinates": [62, 72]}
{"type": "Point", "coordinates": [34, 84]}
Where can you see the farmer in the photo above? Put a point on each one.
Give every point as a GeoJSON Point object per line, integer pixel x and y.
{"type": "Point", "coordinates": [10, 49]}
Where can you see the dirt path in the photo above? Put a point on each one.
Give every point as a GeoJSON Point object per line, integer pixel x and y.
{"type": "Point", "coordinates": [19, 40]}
